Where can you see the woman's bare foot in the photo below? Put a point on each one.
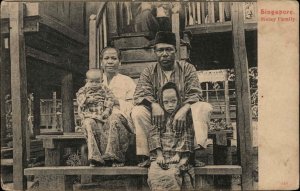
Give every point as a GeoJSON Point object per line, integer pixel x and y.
{"type": "Point", "coordinates": [175, 159]}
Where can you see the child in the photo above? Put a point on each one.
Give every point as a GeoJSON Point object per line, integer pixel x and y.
{"type": "Point", "coordinates": [100, 125]}
{"type": "Point", "coordinates": [171, 147]}
{"type": "Point", "coordinates": [95, 100]}
{"type": "Point", "coordinates": [170, 150]}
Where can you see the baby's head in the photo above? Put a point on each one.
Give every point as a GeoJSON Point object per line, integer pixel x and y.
{"type": "Point", "coordinates": [170, 97]}
{"type": "Point", "coordinates": [93, 78]}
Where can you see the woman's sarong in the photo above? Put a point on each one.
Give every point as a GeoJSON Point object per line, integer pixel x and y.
{"type": "Point", "coordinates": [107, 141]}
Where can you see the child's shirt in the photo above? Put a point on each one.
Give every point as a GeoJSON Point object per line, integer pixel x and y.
{"type": "Point", "coordinates": [96, 108]}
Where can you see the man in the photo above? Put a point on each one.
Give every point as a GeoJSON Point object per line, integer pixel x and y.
{"type": "Point", "coordinates": [148, 112]}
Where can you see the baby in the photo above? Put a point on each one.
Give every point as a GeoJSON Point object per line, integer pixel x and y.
{"type": "Point", "coordinates": [94, 99]}
{"type": "Point", "coordinates": [171, 147]}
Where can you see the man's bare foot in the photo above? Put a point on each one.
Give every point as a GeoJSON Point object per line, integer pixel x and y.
{"type": "Point", "coordinates": [94, 163]}
{"type": "Point", "coordinates": [199, 163]}
{"type": "Point", "coordinates": [175, 159]}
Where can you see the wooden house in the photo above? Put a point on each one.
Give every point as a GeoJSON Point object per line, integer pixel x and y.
{"type": "Point", "coordinates": [48, 46]}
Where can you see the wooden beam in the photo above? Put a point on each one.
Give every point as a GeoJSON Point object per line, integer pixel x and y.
{"type": "Point", "coordinates": [242, 95]}
{"type": "Point", "coordinates": [67, 103]}
{"type": "Point", "coordinates": [19, 94]}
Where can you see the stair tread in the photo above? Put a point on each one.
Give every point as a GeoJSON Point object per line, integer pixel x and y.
{"type": "Point", "coordinates": [126, 170]}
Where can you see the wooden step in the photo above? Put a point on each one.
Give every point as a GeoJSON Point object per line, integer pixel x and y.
{"type": "Point", "coordinates": [138, 55]}
{"type": "Point", "coordinates": [131, 41]}
{"type": "Point", "coordinates": [127, 170]}
{"type": "Point", "coordinates": [134, 69]}
{"type": "Point", "coordinates": [7, 162]}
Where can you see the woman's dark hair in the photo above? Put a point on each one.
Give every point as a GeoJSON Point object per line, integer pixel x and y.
{"type": "Point", "coordinates": [170, 85]}
{"type": "Point", "coordinates": [110, 47]}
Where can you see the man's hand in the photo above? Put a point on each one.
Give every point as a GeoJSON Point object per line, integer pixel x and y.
{"type": "Point", "coordinates": [180, 118]}
{"type": "Point", "coordinates": [157, 115]}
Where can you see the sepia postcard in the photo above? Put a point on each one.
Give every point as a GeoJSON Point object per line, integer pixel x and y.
{"type": "Point", "coordinates": [149, 95]}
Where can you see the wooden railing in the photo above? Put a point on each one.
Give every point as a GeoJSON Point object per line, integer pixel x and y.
{"type": "Point", "coordinates": [98, 31]}
{"type": "Point", "coordinates": [199, 13]}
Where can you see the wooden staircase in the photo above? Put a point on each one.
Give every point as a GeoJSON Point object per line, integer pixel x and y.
{"type": "Point", "coordinates": [137, 53]}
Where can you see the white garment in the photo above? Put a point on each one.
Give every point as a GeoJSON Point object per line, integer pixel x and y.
{"type": "Point", "coordinates": [201, 112]}
{"type": "Point", "coordinates": [123, 88]}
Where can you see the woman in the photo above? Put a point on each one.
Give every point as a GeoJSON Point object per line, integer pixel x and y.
{"type": "Point", "coordinates": [122, 86]}
{"type": "Point", "coordinates": [111, 139]}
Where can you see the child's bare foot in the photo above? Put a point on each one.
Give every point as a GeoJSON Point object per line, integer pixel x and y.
{"type": "Point", "coordinates": [175, 159]}
{"type": "Point", "coordinates": [160, 160]}
{"type": "Point", "coordinates": [183, 161]}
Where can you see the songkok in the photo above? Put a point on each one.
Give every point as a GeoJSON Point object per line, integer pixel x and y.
{"type": "Point", "coordinates": [165, 37]}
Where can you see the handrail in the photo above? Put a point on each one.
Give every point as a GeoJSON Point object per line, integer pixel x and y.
{"type": "Point", "coordinates": [100, 13]}
{"type": "Point", "coordinates": [97, 35]}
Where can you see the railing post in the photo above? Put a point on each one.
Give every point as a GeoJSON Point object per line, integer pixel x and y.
{"type": "Point", "coordinates": [104, 28]}
{"type": "Point", "coordinates": [92, 42]}
{"type": "Point", "coordinates": [211, 12]}
{"type": "Point", "coordinates": [176, 30]}
{"type": "Point", "coordinates": [221, 12]}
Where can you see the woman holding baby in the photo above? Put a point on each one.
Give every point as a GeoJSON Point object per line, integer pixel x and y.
{"type": "Point", "coordinates": [104, 106]}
